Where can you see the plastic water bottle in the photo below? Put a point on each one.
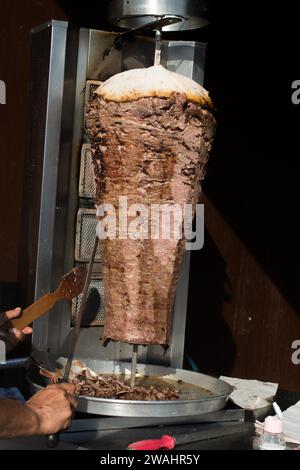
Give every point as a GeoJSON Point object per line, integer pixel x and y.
{"type": "Point", "coordinates": [272, 437]}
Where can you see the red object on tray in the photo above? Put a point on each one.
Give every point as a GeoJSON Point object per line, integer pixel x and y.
{"type": "Point", "coordinates": [165, 442]}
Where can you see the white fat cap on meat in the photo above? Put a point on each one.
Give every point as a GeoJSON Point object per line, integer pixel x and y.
{"type": "Point", "coordinates": [152, 81]}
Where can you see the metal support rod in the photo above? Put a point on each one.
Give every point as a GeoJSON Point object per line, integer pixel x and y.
{"type": "Point", "coordinates": [157, 53]}
{"type": "Point", "coordinates": [133, 364]}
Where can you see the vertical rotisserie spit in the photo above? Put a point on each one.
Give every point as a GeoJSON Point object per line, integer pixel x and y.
{"type": "Point", "coordinates": [151, 131]}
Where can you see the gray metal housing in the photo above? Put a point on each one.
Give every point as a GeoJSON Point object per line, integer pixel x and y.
{"type": "Point", "coordinates": [137, 13]}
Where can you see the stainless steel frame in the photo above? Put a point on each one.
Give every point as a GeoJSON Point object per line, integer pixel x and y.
{"type": "Point", "coordinates": [63, 59]}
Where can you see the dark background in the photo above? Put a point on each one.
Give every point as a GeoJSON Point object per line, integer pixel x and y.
{"type": "Point", "coordinates": [244, 310]}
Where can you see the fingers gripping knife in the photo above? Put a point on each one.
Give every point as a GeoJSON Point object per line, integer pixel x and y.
{"type": "Point", "coordinates": [53, 439]}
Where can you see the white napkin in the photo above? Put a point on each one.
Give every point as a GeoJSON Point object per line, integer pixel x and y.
{"type": "Point", "coordinates": [291, 422]}
{"type": "Point", "coordinates": [251, 394]}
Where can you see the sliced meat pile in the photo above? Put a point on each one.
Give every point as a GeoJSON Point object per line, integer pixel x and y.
{"type": "Point", "coordinates": [151, 132]}
{"type": "Point", "coordinates": [101, 386]}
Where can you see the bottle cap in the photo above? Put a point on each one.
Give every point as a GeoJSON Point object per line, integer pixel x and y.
{"type": "Point", "coordinates": [273, 425]}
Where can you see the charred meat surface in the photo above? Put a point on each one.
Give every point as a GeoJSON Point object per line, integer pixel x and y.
{"type": "Point", "coordinates": [153, 151]}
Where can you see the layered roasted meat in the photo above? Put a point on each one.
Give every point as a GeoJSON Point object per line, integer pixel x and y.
{"type": "Point", "coordinates": [150, 140]}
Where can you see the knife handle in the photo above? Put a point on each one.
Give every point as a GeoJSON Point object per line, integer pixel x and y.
{"type": "Point", "coordinates": [52, 440]}
{"type": "Point", "coordinates": [34, 311]}
{"type": "Point", "coordinates": [165, 442]}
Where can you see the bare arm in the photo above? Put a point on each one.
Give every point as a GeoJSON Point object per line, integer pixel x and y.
{"type": "Point", "coordinates": [17, 419]}
{"type": "Point", "coordinates": [47, 412]}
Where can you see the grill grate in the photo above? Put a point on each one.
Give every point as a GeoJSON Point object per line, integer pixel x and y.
{"type": "Point", "coordinates": [87, 187]}
{"type": "Point", "coordinates": [85, 236]}
{"type": "Point", "coordinates": [90, 88]}
{"type": "Point", "coordinates": [94, 311]}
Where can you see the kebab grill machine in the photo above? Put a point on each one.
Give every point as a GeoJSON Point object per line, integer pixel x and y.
{"type": "Point", "coordinates": [59, 219]}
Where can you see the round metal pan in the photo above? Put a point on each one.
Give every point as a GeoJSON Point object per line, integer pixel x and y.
{"type": "Point", "coordinates": [216, 399]}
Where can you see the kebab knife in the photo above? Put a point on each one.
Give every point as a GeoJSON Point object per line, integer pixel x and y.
{"type": "Point", "coordinates": [53, 439]}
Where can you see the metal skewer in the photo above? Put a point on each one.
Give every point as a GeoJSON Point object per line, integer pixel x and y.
{"type": "Point", "coordinates": [157, 53]}
{"type": "Point", "coordinates": [157, 58]}
{"type": "Point", "coordinates": [133, 364]}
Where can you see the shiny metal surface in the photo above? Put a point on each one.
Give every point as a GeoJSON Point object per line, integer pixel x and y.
{"type": "Point", "coordinates": [157, 54]}
{"type": "Point", "coordinates": [44, 257]}
{"type": "Point", "coordinates": [109, 423]}
{"type": "Point", "coordinates": [104, 60]}
{"type": "Point", "coordinates": [134, 408]}
{"type": "Point", "coordinates": [14, 363]}
{"type": "Point", "coordinates": [136, 13]}
{"type": "Point", "coordinates": [186, 58]}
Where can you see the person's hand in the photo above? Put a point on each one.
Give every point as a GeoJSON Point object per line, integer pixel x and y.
{"type": "Point", "coordinates": [53, 407]}
{"type": "Point", "coordinates": [11, 336]}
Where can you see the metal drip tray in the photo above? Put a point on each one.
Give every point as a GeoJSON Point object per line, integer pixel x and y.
{"type": "Point", "coordinates": [200, 393]}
